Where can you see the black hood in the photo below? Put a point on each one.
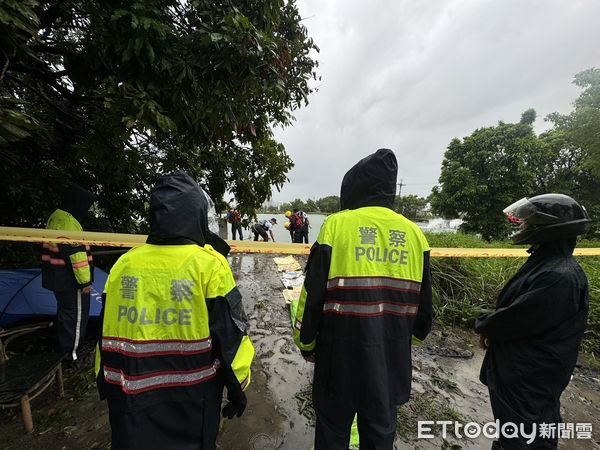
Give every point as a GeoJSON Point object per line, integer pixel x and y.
{"type": "Point", "coordinates": [179, 214]}
{"type": "Point", "coordinates": [76, 201]}
{"type": "Point", "coordinates": [371, 182]}
{"type": "Point", "coordinates": [178, 211]}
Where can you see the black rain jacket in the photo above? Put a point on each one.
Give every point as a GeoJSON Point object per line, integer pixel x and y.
{"type": "Point", "coordinates": [371, 375]}
{"type": "Point", "coordinates": [535, 335]}
{"type": "Point", "coordinates": [60, 278]}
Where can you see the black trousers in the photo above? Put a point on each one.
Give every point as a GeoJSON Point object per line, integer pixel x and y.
{"type": "Point", "coordinates": [334, 422]}
{"type": "Point", "coordinates": [236, 228]}
{"type": "Point", "coordinates": [173, 425]}
{"type": "Point", "coordinates": [73, 311]}
{"type": "Point", "coordinates": [506, 413]}
{"type": "Point", "coordinates": [258, 230]}
{"type": "Point", "coordinates": [301, 235]}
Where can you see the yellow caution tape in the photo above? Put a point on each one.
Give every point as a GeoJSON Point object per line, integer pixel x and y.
{"type": "Point", "coordinates": [134, 240]}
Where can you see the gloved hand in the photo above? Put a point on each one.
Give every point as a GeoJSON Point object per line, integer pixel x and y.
{"type": "Point", "coordinates": [236, 404]}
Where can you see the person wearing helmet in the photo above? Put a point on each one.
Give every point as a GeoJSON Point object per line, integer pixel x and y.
{"type": "Point", "coordinates": [288, 225]}
{"type": "Point", "coordinates": [534, 335]}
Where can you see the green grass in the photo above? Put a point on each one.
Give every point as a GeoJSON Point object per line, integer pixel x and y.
{"type": "Point", "coordinates": [424, 406]}
{"type": "Point", "coordinates": [464, 288]}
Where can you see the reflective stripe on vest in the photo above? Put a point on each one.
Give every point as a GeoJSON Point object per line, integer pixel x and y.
{"type": "Point", "coordinates": [370, 309]}
{"type": "Point", "coordinates": [134, 348]}
{"type": "Point", "coordinates": [80, 265]}
{"type": "Point", "coordinates": [374, 283]}
{"type": "Point", "coordinates": [157, 380]}
{"type": "Point", "coordinates": [51, 247]}
{"type": "Point", "coordinates": [53, 261]}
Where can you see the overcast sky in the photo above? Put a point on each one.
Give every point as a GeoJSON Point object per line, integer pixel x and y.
{"type": "Point", "coordinates": [411, 75]}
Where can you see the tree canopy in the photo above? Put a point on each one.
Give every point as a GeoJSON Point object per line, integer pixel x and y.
{"type": "Point", "coordinates": [325, 205]}
{"type": "Point", "coordinates": [112, 94]}
{"type": "Point", "coordinates": [412, 207]}
{"type": "Point", "coordinates": [485, 172]}
{"type": "Point", "coordinates": [494, 166]}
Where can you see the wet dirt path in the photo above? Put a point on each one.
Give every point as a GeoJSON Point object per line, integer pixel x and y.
{"type": "Point", "coordinates": [279, 369]}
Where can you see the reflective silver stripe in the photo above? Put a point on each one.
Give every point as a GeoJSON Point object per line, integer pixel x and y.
{"type": "Point", "coordinates": [298, 325]}
{"type": "Point", "coordinates": [145, 348]}
{"type": "Point", "coordinates": [77, 327]}
{"type": "Point", "coordinates": [378, 308]}
{"type": "Point", "coordinates": [382, 282]}
{"type": "Point", "coordinates": [139, 384]}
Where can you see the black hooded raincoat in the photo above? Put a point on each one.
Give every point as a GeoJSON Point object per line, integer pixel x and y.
{"type": "Point", "coordinates": [535, 334]}
{"type": "Point", "coordinates": [184, 417]}
{"type": "Point", "coordinates": [363, 355]}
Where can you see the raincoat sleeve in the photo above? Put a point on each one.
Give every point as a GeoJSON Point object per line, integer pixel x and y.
{"type": "Point", "coordinates": [424, 316]}
{"type": "Point", "coordinates": [551, 299]}
{"type": "Point", "coordinates": [312, 298]}
{"type": "Point", "coordinates": [75, 255]}
{"type": "Point", "coordinates": [228, 329]}
{"type": "Point", "coordinates": [78, 257]}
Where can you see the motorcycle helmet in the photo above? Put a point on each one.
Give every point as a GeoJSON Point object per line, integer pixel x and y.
{"type": "Point", "coordinates": [546, 217]}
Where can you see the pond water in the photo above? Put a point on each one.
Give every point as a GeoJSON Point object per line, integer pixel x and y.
{"type": "Point", "coordinates": [436, 225]}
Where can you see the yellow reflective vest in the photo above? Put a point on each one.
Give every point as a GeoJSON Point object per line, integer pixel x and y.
{"type": "Point", "coordinates": [367, 291]}
{"type": "Point", "coordinates": [172, 318]}
{"type": "Point", "coordinates": [372, 249]}
{"type": "Point", "coordinates": [65, 267]}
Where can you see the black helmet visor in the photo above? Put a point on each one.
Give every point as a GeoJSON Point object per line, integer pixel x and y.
{"type": "Point", "coordinates": [520, 211]}
{"type": "Point", "coordinates": [525, 211]}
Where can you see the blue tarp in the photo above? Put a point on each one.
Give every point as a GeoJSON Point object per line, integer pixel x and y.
{"type": "Point", "coordinates": [23, 299]}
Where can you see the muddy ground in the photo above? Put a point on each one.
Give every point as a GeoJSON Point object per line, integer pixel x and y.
{"type": "Point", "coordinates": [279, 413]}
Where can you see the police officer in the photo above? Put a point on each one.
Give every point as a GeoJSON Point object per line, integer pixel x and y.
{"type": "Point", "coordinates": [174, 330]}
{"type": "Point", "coordinates": [68, 271]}
{"type": "Point", "coordinates": [367, 291]}
{"type": "Point", "coordinates": [533, 337]}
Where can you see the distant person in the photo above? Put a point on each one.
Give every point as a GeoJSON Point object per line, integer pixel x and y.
{"type": "Point", "coordinates": [173, 330]}
{"type": "Point", "coordinates": [303, 232]}
{"type": "Point", "coordinates": [288, 225]}
{"type": "Point", "coordinates": [533, 337]}
{"type": "Point", "coordinates": [295, 224]}
{"type": "Point", "coordinates": [264, 228]}
{"type": "Point", "coordinates": [367, 291]}
{"type": "Point", "coordinates": [68, 271]}
{"type": "Point", "coordinates": [235, 219]}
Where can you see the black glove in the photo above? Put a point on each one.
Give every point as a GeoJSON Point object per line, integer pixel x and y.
{"type": "Point", "coordinates": [236, 404]}
{"type": "Point", "coordinates": [217, 243]}
{"type": "Point", "coordinates": [308, 356]}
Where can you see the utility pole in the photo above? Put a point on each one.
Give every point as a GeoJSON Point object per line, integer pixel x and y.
{"type": "Point", "coordinates": [400, 187]}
